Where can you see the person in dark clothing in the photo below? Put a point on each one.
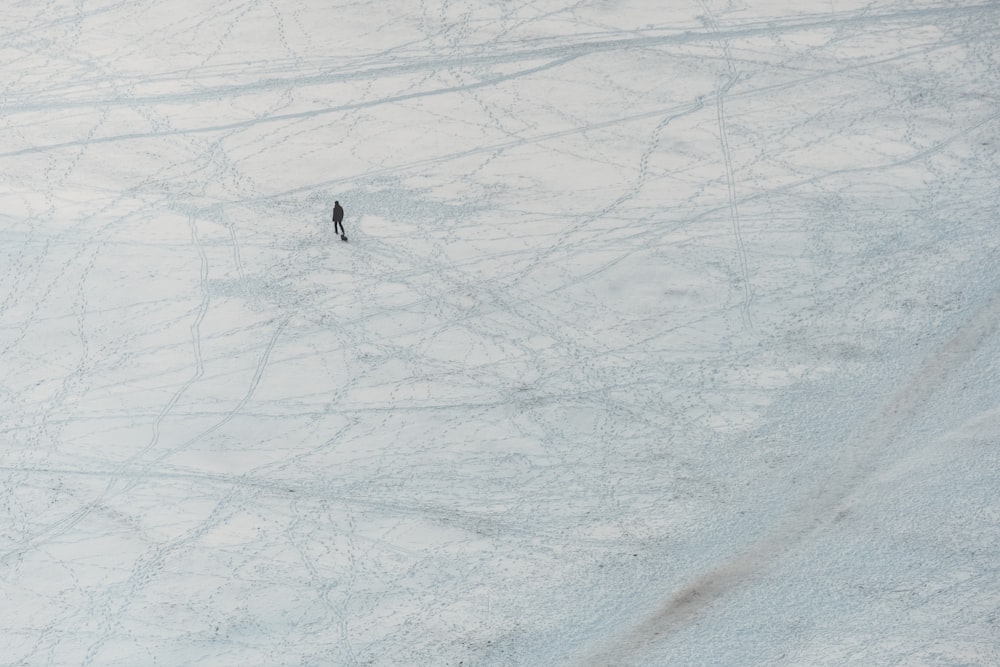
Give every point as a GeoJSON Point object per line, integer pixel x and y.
{"type": "Point", "coordinates": [338, 219]}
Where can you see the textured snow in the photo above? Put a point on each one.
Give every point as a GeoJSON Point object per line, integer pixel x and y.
{"type": "Point", "coordinates": [667, 333]}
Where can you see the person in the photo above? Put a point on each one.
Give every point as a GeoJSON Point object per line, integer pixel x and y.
{"type": "Point", "coordinates": [338, 219]}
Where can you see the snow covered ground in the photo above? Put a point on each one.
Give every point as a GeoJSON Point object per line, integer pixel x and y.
{"type": "Point", "coordinates": [668, 333]}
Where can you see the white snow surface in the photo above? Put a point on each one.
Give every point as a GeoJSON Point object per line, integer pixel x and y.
{"type": "Point", "coordinates": [666, 333]}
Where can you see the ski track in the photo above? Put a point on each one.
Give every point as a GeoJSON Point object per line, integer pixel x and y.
{"type": "Point", "coordinates": [536, 411]}
{"type": "Point", "coordinates": [727, 80]}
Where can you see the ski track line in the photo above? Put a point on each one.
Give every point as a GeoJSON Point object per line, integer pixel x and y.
{"type": "Point", "coordinates": [237, 259]}
{"type": "Point", "coordinates": [558, 243]}
{"type": "Point", "coordinates": [561, 55]}
{"type": "Point", "coordinates": [254, 383]}
{"type": "Point", "coordinates": [75, 377]}
{"type": "Point", "coordinates": [458, 61]}
{"type": "Point", "coordinates": [318, 581]}
{"type": "Point", "coordinates": [300, 115]}
{"type": "Point", "coordinates": [60, 526]}
{"type": "Point", "coordinates": [731, 79]}
{"type": "Point", "coordinates": [734, 212]}
{"type": "Point", "coordinates": [857, 464]}
{"type": "Point", "coordinates": [523, 141]}
{"type": "Point", "coordinates": [146, 567]}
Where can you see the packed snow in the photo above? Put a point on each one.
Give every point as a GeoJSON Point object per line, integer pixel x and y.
{"type": "Point", "coordinates": [666, 333]}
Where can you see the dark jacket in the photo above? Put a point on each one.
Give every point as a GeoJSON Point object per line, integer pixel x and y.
{"type": "Point", "coordinates": [338, 213]}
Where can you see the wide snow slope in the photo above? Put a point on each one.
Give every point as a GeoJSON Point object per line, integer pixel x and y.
{"type": "Point", "coordinates": [667, 333]}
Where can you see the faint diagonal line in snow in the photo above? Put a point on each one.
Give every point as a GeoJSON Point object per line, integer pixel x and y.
{"type": "Point", "coordinates": [237, 260]}
{"type": "Point", "coordinates": [495, 56]}
{"type": "Point", "coordinates": [282, 118]}
{"type": "Point", "coordinates": [856, 464]}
